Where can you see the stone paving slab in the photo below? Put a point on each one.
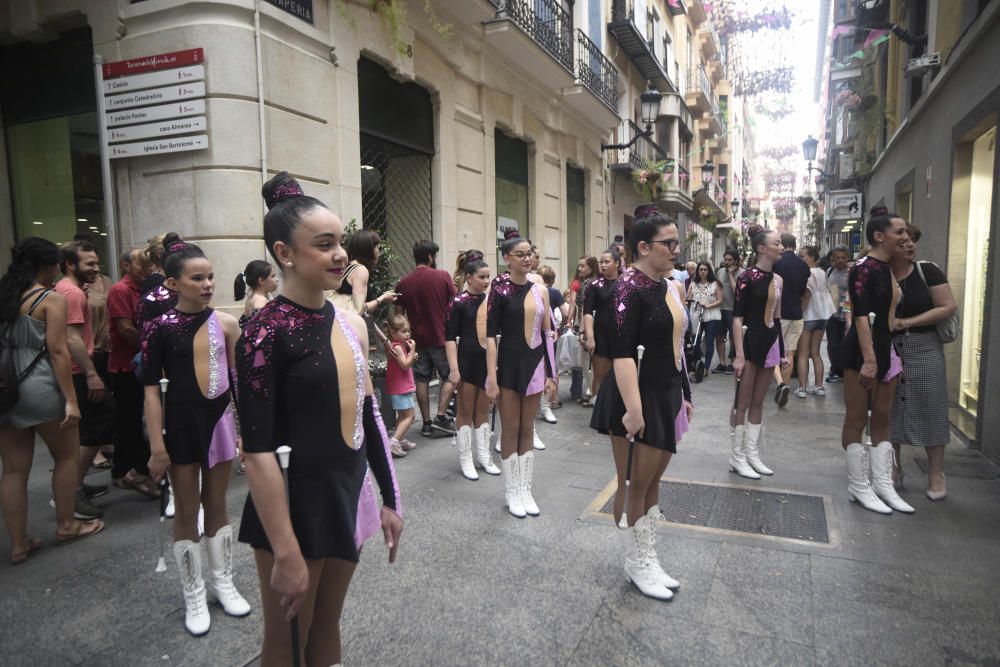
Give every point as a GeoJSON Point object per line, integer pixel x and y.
{"type": "Point", "coordinates": [474, 586]}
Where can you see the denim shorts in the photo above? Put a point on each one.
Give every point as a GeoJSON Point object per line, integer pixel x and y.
{"type": "Point", "coordinates": [403, 401]}
{"type": "Point", "coordinates": [815, 325]}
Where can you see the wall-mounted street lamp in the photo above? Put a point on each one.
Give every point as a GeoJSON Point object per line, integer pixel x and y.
{"type": "Point", "coordinates": [649, 110]}
{"type": "Point", "coordinates": [809, 154]}
{"type": "Point", "coordinates": [707, 170]}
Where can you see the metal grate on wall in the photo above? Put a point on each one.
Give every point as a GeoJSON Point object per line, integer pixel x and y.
{"type": "Point", "coordinates": [396, 196]}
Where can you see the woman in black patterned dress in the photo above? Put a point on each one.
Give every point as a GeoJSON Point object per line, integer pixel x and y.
{"type": "Point", "coordinates": [872, 366]}
{"type": "Point", "coordinates": [465, 336]}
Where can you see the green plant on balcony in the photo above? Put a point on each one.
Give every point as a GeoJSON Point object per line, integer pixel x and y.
{"type": "Point", "coordinates": [393, 14]}
{"type": "Point", "coordinates": [708, 219]}
{"type": "Point", "coordinates": [650, 180]}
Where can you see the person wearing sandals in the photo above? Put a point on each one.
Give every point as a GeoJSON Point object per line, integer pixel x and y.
{"type": "Point", "coordinates": [81, 268]}
{"type": "Point", "coordinates": [757, 303]}
{"type": "Point", "coordinates": [919, 416]}
{"type": "Point", "coordinates": [33, 329]}
{"type": "Point", "coordinates": [303, 382]}
{"type": "Point", "coordinates": [519, 367]}
{"type": "Point", "coordinates": [598, 317]}
{"type": "Point", "coordinates": [817, 311]}
{"type": "Point", "coordinates": [872, 367]}
{"type": "Point", "coordinates": [193, 346]}
{"type": "Point", "coordinates": [646, 397]}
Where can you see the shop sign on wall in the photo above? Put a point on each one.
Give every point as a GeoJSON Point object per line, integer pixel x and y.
{"type": "Point", "coordinates": [160, 98]}
{"type": "Point", "coordinates": [844, 205]}
{"type": "Point", "coordinates": [302, 9]}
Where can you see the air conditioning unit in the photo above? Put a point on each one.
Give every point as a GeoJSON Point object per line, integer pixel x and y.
{"type": "Point", "coordinates": [920, 66]}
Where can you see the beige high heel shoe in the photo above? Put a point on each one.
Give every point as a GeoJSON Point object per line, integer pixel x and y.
{"type": "Point", "coordinates": [939, 495]}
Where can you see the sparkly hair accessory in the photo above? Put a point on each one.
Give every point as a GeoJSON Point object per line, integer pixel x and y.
{"type": "Point", "coordinates": [176, 246]}
{"type": "Point", "coordinates": [645, 210]}
{"type": "Point", "coordinates": [287, 191]}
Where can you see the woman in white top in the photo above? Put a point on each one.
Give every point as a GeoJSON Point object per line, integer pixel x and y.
{"type": "Point", "coordinates": [706, 291]}
{"type": "Point", "coordinates": [818, 309]}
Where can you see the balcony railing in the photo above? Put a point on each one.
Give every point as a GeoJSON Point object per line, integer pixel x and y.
{"type": "Point", "coordinates": [546, 22]}
{"type": "Point", "coordinates": [631, 31]}
{"type": "Point", "coordinates": [697, 80]}
{"type": "Point", "coordinates": [633, 157]}
{"type": "Point", "coordinates": [595, 71]}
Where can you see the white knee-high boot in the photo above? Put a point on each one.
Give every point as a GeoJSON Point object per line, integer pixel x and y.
{"type": "Point", "coordinates": [512, 485]}
{"type": "Point", "coordinates": [858, 486]}
{"type": "Point", "coordinates": [219, 583]}
{"type": "Point", "coordinates": [526, 463]}
{"type": "Point", "coordinates": [738, 460]}
{"type": "Point", "coordinates": [649, 545]}
{"type": "Point", "coordinates": [638, 568]}
{"type": "Point", "coordinates": [752, 448]}
{"type": "Point", "coordinates": [484, 459]}
{"type": "Point", "coordinates": [188, 557]}
{"type": "Point", "coordinates": [881, 458]}
{"type": "Point", "coordinates": [464, 438]}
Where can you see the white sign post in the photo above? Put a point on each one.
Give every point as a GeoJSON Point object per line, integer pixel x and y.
{"type": "Point", "coordinates": [110, 223]}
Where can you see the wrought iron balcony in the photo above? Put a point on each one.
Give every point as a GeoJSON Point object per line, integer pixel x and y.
{"type": "Point", "coordinates": [699, 94]}
{"type": "Point", "coordinates": [546, 22]}
{"type": "Point", "coordinates": [643, 150]}
{"type": "Point", "coordinates": [635, 43]}
{"type": "Point", "coordinates": [596, 72]}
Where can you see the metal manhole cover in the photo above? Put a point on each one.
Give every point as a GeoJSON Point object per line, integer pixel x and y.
{"type": "Point", "coordinates": [776, 514]}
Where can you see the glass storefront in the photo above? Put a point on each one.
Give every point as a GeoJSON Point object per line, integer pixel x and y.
{"type": "Point", "coordinates": [576, 227]}
{"type": "Point", "coordinates": [511, 189]}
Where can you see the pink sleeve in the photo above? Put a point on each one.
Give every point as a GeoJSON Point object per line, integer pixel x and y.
{"type": "Point", "coordinates": [76, 307]}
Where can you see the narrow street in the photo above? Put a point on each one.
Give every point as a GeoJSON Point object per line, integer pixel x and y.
{"type": "Point", "coordinates": [474, 586]}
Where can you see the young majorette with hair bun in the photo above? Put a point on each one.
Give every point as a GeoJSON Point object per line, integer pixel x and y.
{"type": "Point", "coordinates": [304, 383]}
{"type": "Point", "coordinates": [646, 397]}
{"type": "Point", "coordinates": [193, 346]}
{"type": "Point", "coordinates": [756, 304]}
{"type": "Point", "coordinates": [872, 367]}
{"type": "Point", "coordinates": [467, 360]}
{"type": "Point", "coordinates": [519, 368]}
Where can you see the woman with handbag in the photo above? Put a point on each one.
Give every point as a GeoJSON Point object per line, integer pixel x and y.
{"type": "Point", "coordinates": [37, 395]}
{"type": "Point", "coordinates": [925, 321]}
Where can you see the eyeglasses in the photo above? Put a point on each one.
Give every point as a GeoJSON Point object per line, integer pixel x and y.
{"type": "Point", "coordinates": [672, 244]}
{"type": "Point", "coordinates": [520, 255]}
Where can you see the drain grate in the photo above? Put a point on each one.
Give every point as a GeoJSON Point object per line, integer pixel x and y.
{"type": "Point", "coordinates": [791, 515]}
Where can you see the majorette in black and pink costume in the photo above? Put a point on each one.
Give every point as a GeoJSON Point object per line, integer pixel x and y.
{"type": "Point", "coordinates": [526, 356]}
{"type": "Point", "coordinates": [302, 384]}
{"type": "Point", "coordinates": [757, 300]}
{"type": "Point", "coordinates": [650, 313]}
{"type": "Point", "coordinates": [597, 302]}
{"type": "Point", "coordinates": [467, 325]}
{"type": "Point", "coordinates": [190, 351]}
{"type": "Point", "coordinates": [873, 289]}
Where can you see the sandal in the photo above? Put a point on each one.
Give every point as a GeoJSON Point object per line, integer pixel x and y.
{"type": "Point", "coordinates": [143, 484]}
{"type": "Point", "coordinates": [83, 529]}
{"type": "Point", "coordinates": [586, 402]}
{"type": "Point", "coordinates": [34, 544]}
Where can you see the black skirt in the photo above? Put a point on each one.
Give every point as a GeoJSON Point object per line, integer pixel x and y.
{"type": "Point", "coordinates": [472, 367]}
{"type": "Point", "coordinates": [324, 506]}
{"type": "Point", "coordinates": [662, 400]}
{"type": "Point", "coordinates": [516, 367]}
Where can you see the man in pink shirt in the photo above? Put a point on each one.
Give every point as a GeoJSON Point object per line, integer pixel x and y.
{"type": "Point", "coordinates": [80, 266]}
{"type": "Point", "coordinates": [131, 449]}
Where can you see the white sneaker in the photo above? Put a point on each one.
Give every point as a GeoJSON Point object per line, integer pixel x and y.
{"type": "Point", "coordinates": [801, 392]}
{"type": "Point", "coordinates": [817, 391]}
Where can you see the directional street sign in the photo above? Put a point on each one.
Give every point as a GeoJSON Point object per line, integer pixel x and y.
{"type": "Point", "coordinates": [156, 95]}
{"type": "Point", "coordinates": [161, 129]}
{"type": "Point", "coordinates": [159, 146]}
{"type": "Point", "coordinates": [148, 114]}
{"type": "Point", "coordinates": [163, 77]}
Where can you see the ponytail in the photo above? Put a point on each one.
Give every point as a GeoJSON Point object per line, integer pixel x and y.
{"type": "Point", "coordinates": [256, 271]}
{"type": "Point", "coordinates": [240, 287]}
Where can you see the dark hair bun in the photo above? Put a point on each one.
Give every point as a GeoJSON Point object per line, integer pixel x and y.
{"type": "Point", "coordinates": [172, 242]}
{"type": "Point", "coordinates": [279, 189]}
{"type": "Point", "coordinates": [511, 234]}
{"type": "Point", "coordinates": [754, 230]}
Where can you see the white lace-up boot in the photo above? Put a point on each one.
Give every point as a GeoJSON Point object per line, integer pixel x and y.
{"type": "Point", "coordinates": [483, 457]}
{"type": "Point", "coordinates": [752, 449]}
{"type": "Point", "coordinates": [882, 457]}
{"type": "Point", "coordinates": [649, 545]}
{"type": "Point", "coordinates": [537, 442]}
{"type": "Point", "coordinates": [738, 461]}
{"type": "Point", "coordinates": [546, 413]}
{"type": "Point", "coordinates": [526, 463]}
{"type": "Point", "coordinates": [512, 485]}
{"type": "Point", "coordinates": [219, 583]}
{"type": "Point", "coordinates": [858, 486]}
{"type": "Point", "coordinates": [464, 438]}
{"type": "Point", "coordinates": [188, 557]}
{"type": "Point", "coordinates": [638, 568]}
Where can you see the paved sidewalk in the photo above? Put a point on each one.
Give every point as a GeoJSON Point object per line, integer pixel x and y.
{"type": "Point", "coordinates": [474, 586]}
